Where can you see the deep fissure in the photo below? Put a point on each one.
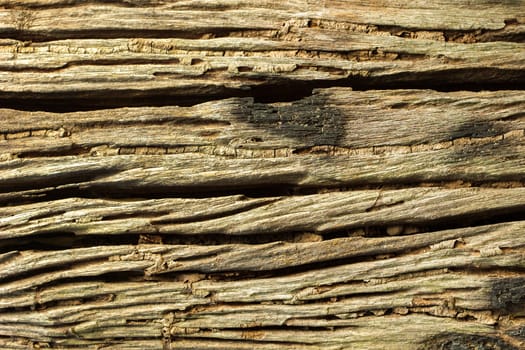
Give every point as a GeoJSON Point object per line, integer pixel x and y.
{"type": "Point", "coordinates": [486, 79]}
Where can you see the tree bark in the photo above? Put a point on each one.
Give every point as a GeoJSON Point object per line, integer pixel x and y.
{"type": "Point", "coordinates": [259, 174]}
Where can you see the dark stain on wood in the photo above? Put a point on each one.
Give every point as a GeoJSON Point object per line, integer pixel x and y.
{"type": "Point", "coordinates": [310, 120]}
{"type": "Point", "coordinates": [517, 332]}
{"type": "Point", "coordinates": [293, 176]}
{"type": "Point", "coordinates": [478, 129]}
{"type": "Point", "coordinates": [459, 341]}
{"type": "Point", "coordinates": [508, 295]}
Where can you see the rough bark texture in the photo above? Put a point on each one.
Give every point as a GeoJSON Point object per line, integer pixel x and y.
{"type": "Point", "coordinates": [262, 174]}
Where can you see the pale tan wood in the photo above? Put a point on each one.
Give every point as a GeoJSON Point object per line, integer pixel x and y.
{"type": "Point", "coordinates": [166, 15]}
{"type": "Point", "coordinates": [258, 174]}
{"type": "Point", "coordinates": [440, 293]}
{"type": "Point", "coordinates": [193, 173]}
{"type": "Point", "coordinates": [327, 213]}
{"type": "Point", "coordinates": [119, 68]}
{"type": "Point", "coordinates": [236, 46]}
{"type": "Point", "coordinates": [483, 242]}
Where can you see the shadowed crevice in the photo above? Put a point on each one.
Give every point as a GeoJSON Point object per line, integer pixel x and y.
{"type": "Point", "coordinates": [273, 91]}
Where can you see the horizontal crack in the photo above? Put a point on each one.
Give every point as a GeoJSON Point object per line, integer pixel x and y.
{"type": "Point", "coordinates": [115, 33]}
{"type": "Point", "coordinates": [280, 90]}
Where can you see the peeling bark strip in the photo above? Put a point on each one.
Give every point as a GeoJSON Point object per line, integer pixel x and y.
{"type": "Point", "coordinates": [258, 174]}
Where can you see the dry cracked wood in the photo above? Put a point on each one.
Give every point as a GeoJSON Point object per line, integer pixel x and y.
{"type": "Point", "coordinates": [331, 212]}
{"type": "Point", "coordinates": [92, 74]}
{"type": "Point", "coordinates": [146, 49]}
{"type": "Point", "coordinates": [340, 264]}
{"type": "Point", "coordinates": [437, 280]}
{"type": "Point", "coordinates": [378, 137]}
{"type": "Point", "coordinates": [367, 121]}
{"type": "Point", "coordinates": [257, 174]}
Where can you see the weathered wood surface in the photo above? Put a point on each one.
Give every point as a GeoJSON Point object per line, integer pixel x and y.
{"type": "Point", "coordinates": [258, 174]}
{"type": "Point", "coordinates": [235, 47]}
{"type": "Point", "coordinates": [360, 121]}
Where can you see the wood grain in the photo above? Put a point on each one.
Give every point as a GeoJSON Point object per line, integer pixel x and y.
{"type": "Point", "coordinates": [376, 121]}
{"type": "Point", "coordinates": [262, 175]}
{"type": "Point", "coordinates": [237, 215]}
{"type": "Point", "coordinates": [147, 49]}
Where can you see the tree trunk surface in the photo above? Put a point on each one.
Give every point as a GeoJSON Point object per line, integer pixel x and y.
{"type": "Point", "coordinates": [260, 174]}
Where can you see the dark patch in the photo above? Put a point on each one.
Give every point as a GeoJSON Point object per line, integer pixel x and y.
{"type": "Point", "coordinates": [279, 185]}
{"type": "Point", "coordinates": [478, 129]}
{"type": "Point", "coordinates": [311, 121]}
{"type": "Point", "coordinates": [511, 21]}
{"type": "Point", "coordinates": [473, 79]}
{"type": "Point", "coordinates": [399, 105]}
{"type": "Point", "coordinates": [243, 69]}
{"type": "Point", "coordinates": [508, 295]}
{"type": "Point", "coordinates": [27, 34]}
{"type": "Point", "coordinates": [459, 341]}
{"type": "Point", "coordinates": [65, 101]}
{"type": "Point", "coordinates": [517, 332]}
{"type": "Point", "coordinates": [71, 4]}
{"type": "Point", "coordinates": [68, 150]}
{"type": "Point", "coordinates": [513, 117]}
